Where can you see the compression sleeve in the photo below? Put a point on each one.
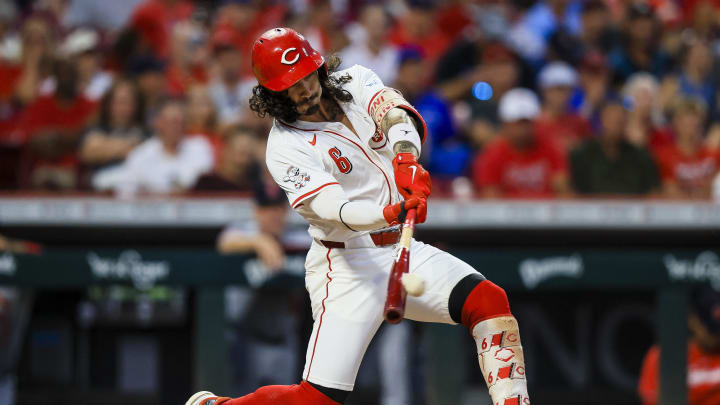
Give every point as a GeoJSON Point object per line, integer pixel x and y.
{"type": "Point", "coordinates": [332, 204]}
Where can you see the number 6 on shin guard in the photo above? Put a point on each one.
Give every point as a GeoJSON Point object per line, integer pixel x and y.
{"type": "Point", "coordinates": [401, 283]}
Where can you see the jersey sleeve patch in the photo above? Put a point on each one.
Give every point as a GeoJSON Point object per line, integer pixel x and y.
{"type": "Point", "coordinates": [296, 176]}
{"type": "Point", "coordinates": [297, 169]}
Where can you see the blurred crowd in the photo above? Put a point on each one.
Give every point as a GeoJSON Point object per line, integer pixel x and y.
{"type": "Point", "coordinates": [523, 98]}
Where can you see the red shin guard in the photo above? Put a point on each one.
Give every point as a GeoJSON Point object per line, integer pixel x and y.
{"type": "Point", "coordinates": [485, 301]}
{"type": "Point", "coordinates": [301, 394]}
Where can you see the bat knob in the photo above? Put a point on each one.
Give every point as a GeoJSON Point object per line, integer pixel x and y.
{"type": "Point", "coordinates": [393, 316]}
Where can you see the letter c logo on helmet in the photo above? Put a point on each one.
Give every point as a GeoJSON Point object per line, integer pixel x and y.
{"type": "Point", "coordinates": [276, 60]}
{"type": "Point", "coordinates": [284, 56]}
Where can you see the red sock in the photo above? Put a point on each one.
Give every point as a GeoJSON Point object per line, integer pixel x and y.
{"type": "Point", "coordinates": [485, 301]}
{"type": "Point", "coordinates": [301, 394]}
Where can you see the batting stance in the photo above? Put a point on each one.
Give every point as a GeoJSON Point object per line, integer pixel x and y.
{"type": "Point", "coordinates": [344, 148]}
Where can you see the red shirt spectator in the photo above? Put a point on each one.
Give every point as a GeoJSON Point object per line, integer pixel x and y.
{"type": "Point", "coordinates": [10, 74]}
{"type": "Point", "coordinates": [154, 20]}
{"type": "Point", "coordinates": [566, 130]}
{"type": "Point", "coordinates": [687, 166]}
{"type": "Point", "coordinates": [660, 138]}
{"type": "Point", "coordinates": [454, 18]}
{"type": "Point", "coordinates": [52, 127]}
{"type": "Point", "coordinates": [691, 173]}
{"type": "Point", "coordinates": [690, 8]}
{"type": "Point", "coordinates": [519, 173]}
{"type": "Point", "coordinates": [50, 115]}
{"type": "Point", "coordinates": [519, 163]}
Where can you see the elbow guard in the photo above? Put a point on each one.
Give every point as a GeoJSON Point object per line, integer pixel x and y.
{"type": "Point", "coordinates": [389, 98]}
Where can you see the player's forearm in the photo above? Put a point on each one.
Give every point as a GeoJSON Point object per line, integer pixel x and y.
{"type": "Point", "coordinates": [402, 132]}
{"type": "Point", "coordinates": [331, 204]}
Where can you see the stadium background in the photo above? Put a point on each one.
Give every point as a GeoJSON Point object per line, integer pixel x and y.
{"type": "Point", "coordinates": [114, 289]}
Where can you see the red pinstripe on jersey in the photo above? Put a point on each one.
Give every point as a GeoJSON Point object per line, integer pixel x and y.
{"type": "Point", "coordinates": [327, 294]}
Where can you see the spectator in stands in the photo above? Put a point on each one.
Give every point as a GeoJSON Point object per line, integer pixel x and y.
{"type": "Point", "coordinates": [36, 60]}
{"type": "Point", "coordinates": [120, 127]}
{"type": "Point", "coordinates": [189, 54]}
{"type": "Point", "coordinates": [155, 21]}
{"type": "Point", "coordinates": [557, 81]}
{"type": "Point", "coordinates": [595, 32]}
{"type": "Point", "coordinates": [168, 162]}
{"type": "Point", "coordinates": [542, 21]}
{"type": "Point", "coordinates": [106, 15]}
{"type": "Point", "coordinates": [322, 28]}
{"type": "Point", "coordinates": [369, 46]}
{"type": "Point", "coordinates": [82, 47]}
{"type": "Point", "coordinates": [694, 78]}
{"type": "Point", "coordinates": [701, 17]}
{"type": "Point", "coordinates": [519, 163]}
{"type": "Point", "coordinates": [639, 48]}
{"type": "Point", "coordinates": [416, 27]}
{"type": "Point", "coordinates": [609, 164]}
{"type": "Point", "coordinates": [687, 167]}
{"type": "Point", "coordinates": [53, 126]}
{"type": "Point", "coordinates": [202, 118]}
{"type": "Point", "coordinates": [237, 167]}
{"type": "Point", "coordinates": [454, 17]}
{"type": "Point", "coordinates": [703, 360]}
{"type": "Point", "coordinates": [8, 13]}
{"type": "Point", "coordinates": [243, 21]}
{"type": "Point", "coordinates": [230, 92]}
{"type": "Point", "coordinates": [646, 125]}
{"type": "Point", "coordinates": [150, 76]}
{"type": "Point", "coordinates": [468, 63]}
{"type": "Point", "coordinates": [594, 87]}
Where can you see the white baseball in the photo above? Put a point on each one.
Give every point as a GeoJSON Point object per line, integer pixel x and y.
{"type": "Point", "coordinates": [413, 284]}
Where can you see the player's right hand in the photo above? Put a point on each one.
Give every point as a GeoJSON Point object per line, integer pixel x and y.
{"type": "Point", "coordinates": [395, 213]}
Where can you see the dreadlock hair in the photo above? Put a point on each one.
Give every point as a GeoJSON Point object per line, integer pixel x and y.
{"type": "Point", "coordinates": [277, 104]}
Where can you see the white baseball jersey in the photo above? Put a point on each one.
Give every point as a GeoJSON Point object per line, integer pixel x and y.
{"type": "Point", "coordinates": [304, 157]}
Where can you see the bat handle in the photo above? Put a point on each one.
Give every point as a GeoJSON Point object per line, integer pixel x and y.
{"type": "Point", "coordinates": [410, 218]}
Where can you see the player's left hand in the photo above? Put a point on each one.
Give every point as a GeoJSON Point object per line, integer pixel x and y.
{"type": "Point", "coordinates": [395, 214]}
{"type": "Point", "coordinates": [410, 177]}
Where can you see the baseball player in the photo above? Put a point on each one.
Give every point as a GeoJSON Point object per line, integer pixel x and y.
{"type": "Point", "coordinates": [344, 149]}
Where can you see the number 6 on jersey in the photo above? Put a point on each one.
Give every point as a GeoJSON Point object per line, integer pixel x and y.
{"type": "Point", "coordinates": [341, 161]}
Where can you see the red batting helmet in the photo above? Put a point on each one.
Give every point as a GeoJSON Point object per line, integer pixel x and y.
{"type": "Point", "coordinates": [281, 57]}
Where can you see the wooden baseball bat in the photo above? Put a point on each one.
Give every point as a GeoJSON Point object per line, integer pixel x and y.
{"type": "Point", "coordinates": [396, 294]}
